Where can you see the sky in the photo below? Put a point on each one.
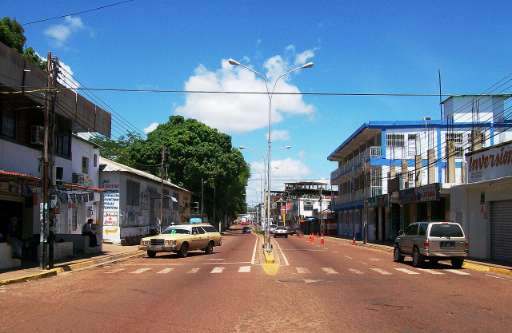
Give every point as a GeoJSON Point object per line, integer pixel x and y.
{"type": "Point", "coordinates": [356, 46]}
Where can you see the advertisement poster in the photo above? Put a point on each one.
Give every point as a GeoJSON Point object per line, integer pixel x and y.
{"type": "Point", "coordinates": [111, 230]}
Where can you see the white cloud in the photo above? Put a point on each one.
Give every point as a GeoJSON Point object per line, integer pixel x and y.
{"type": "Point", "coordinates": [60, 33]}
{"type": "Point", "coordinates": [66, 76]}
{"type": "Point", "coordinates": [151, 127]}
{"type": "Point", "coordinates": [240, 113]}
{"type": "Point", "coordinates": [303, 57]}
{"type": "Point", "coordinates": [283, 171]}
{"type": "Point", "coordinates": [279, 135]}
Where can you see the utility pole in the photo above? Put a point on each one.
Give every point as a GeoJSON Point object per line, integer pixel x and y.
{"type": "Point", "coordinates": [202, 197]}
{"type": "Point", "coordinates": [162, 162]}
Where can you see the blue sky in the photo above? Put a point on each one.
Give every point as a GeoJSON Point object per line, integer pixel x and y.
{"type": "Point", "coordinates": [358, 46]}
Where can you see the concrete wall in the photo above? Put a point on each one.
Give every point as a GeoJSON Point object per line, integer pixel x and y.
{"type": "Point", "coordinates": [79, 149]}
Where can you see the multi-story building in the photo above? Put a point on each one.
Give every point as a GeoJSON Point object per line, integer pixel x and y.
{"type": "Point", "coordinates": [392, 173]}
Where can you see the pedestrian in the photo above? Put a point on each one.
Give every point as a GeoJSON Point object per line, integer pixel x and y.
{"type": "Point", "coordinates": [89, 230]}
{"type": "Point", "coordinates": [13, 237]}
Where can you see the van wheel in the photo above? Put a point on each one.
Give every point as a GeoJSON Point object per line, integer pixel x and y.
{"type": "Point", "coordinates": [209, 248]}
{"type": "Point", "coordinates": [417, 258]}
{"type": "Point", "coordinates": [151, 254]}
{"type": "Point", "coordinates": [397, 256]}
{"type": "Point", "coordinates": [183, 250]}
{"type": "Point", "coordinates": [457, 263]}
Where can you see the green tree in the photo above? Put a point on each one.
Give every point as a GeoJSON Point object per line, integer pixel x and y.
{"type": "Point", "coordinates": [12, 34]}
{"type": "Point", "coordinates": [117, 150]}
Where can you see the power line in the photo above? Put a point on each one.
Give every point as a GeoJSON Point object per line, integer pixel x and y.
{"type": "Point", "coordinates": [77, 12]}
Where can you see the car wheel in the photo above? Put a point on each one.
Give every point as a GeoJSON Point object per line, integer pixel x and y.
{"type": "Point", "coordinates": [183, 250]}
{"type": "Point", "coordinates": [209, 248]}
{"type": "Point", "coordinates": [457, 263]}
{"type": "Point", "coordinates": [397, 256]}
{"type": "Point", "coordinates": [417, 258]}
{"type": "Point", "coordinates": [151, 254]}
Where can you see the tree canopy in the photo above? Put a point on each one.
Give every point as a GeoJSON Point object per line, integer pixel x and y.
{"type": "Point", "coordinates": [194, 152]}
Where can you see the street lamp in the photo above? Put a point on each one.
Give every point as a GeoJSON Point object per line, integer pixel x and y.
{"type": "Point", "coordinates": [270, 94]}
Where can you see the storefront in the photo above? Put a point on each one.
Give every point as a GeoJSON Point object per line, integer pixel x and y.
{"type": "Point", "coordinates": [424, 203]}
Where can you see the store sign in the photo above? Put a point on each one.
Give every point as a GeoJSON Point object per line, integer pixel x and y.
{"type": "Point", "coordinates": [491, 163]}
{"type": "Point", "coordinates": [424, 193]}
{"type": "Point", "coordinates": [111, 208]}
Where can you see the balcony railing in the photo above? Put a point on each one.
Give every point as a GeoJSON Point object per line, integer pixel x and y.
{"type": "Point", "coordinates": [356, 162]}
{"type": "Point", "coordinates": [371, 192]}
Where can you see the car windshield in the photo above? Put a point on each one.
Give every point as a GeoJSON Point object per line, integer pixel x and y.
{"type": "Point", "coordinates": [446, 230]}
{"type": "Point", "coordinates": [173, 230]}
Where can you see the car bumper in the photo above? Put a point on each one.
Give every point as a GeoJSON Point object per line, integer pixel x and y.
{"type": "Point", "coordinates": [158, 248]}
{"type": "Point", "coordinates": [445, 255]}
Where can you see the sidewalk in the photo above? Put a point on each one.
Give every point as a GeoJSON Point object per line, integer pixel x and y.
{"type": "Point", "coordinates": [111, 253]}
{"type": "Point", "coordinates": [473, 264]}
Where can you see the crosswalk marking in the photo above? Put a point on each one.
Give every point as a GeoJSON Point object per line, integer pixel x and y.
{"type": "Point", "coordinates": [353, 270]}
{"type": "Point", "coordinates": [165, 270]}
{"type": "Point", "coordinates": [380, 271]}
{"type": "Point", "coordinates": [406, 271]}
{"type": "Point", "coordinates": [430, 271]}
{"type": "Point", "coordinates": [140, 270]}
{"type": "Point", "coordinates": [115, 271]}
{"type": "Point", "coordinates": [244, 269]}
{"type": "Point", "coordinates": [217, 270]}
{"type": "Point", "coordinates": [193, 270]}
{"type": "Point", "coordinates": [329, 270]}
{"type": "Point", "coordinates": [348, 257]}
{"type": "Point", "coordinates": [456, 271]}
{"type": "Point", "coordinates": [302, 270]}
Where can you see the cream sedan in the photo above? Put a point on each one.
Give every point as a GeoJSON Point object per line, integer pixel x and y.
{"type": "Point", "coordinates": [181, 239]}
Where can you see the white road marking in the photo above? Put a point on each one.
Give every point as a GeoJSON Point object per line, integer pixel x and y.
{"type": "Point", "coordinates": [244, 269]}
{"type": "Point", "coordinates": [374, 259]}
{"type": "Point", "coordinates": [431, 271]}
{"type": "Point", "coordinates": [286, 263]}
{"type": "Point", "coordinates": [140, 270]}
{"type": "Point", "coordinates": [329, 270]}
{"type": "Point", "coordinates": [456, 271]}
{"type": "Point", "coordinates": [496, 277]}
{"type": "Point", "coordinates": [348, 257]}
{"type": "Point", "coordinates": [193, 270]}
{"type": "Point", "coordinates": [364, 263]}
{"type": "Point", "coordinates": [165, 270]}
{"type": "Point", "coordinates": [253, 260]}
{"type": "Point", "coordinates": [216, 259]}
{"type": "Point", "coordinates": [355, 271]}
{"type": "Point", "coordinates": [115, 270]}
{"type": "Point", "coordinates": [302, 270]}
{"type": "Point", "coordinates": [217, 270]}
{"type": "Point", "coordinates": [407, 271]}
{"type": "Point", "coordinates": [380, 271]}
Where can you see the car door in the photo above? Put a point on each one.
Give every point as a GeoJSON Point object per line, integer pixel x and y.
{"type": "Point", "coordinates": [195, 239]}
{"type": "Point", "coordinates": [203, 238]}
{"type": "Point", "coordinates": [410, 233]}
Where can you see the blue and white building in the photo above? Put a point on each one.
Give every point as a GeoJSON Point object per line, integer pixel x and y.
{"type": "Point", "coordinates": [392, 173]}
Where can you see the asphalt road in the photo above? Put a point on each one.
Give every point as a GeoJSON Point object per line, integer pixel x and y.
{"type": "Point", "coordinates": [336, 288]}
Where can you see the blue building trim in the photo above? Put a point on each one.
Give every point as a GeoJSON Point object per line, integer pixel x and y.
{"type": "Point", "coordinates": [375, 161]}
{"type": "Point", "coordinates": [383, 143]}
{"type": "Point", "coordinates": [492, 135]}
{"type": "Point", "coordinates": [439, 157]}
{"type": "Point", "coordinates": [348, 205]}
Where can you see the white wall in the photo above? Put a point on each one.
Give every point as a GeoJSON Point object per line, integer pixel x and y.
{"type": "Point", "coordinates": [79, 149]}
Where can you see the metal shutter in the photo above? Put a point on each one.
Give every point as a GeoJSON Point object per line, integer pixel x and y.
{"type": "Point", "coordinates": [501, 230]}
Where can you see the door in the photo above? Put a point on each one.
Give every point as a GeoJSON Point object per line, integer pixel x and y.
{"type": "Point", "coordinates": [501, 230]}
{"type": "Point", "coordinates": [198, 238]}
{"type": "Point", "coordinates": [407, 241]}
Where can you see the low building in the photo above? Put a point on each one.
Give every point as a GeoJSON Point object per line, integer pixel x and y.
{"type": "Point", "coordinates": [483, 206]}
{"type": "Point", "coordinates": [133, 201]}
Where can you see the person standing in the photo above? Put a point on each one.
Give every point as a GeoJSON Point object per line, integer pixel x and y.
{"type": "Point", "coordinates": [89, 229]}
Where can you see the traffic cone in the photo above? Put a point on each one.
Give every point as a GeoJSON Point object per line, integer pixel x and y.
{"type": "Point", "coordinates": [322, 241]}
{"type": "Point", "coordinates": [354, 241]}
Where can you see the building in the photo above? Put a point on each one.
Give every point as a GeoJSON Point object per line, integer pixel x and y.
{"type": "Point", "coordinates": [132, 203]}
{"type": "Point", "coordinates": [483, 206]}
{"type": "Point", "coordinates": [392, 173]}
{"type": "Point", "coordinates": [21, 143]}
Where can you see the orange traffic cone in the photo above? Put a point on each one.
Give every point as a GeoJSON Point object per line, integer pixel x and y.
{"type": "Point", "coordinates": [354, 241]}
{"type": "Point", "coordinates": [322, 241]}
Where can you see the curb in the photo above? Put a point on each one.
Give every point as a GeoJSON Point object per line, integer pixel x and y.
{"type": "Point", "coordinates": [77, 266]}
{"type": "Point", "coordinates": [468, 263]}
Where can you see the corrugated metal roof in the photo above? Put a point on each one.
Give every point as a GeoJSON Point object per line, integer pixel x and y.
{"type": "Point", "coordinates": [111, 166]}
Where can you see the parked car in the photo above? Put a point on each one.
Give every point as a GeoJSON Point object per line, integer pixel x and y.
{"type": "Point", "coordinates": [246, 230]}
{"type": "Point", "coordinates": [432, 241]}
{"type": "Point", "coordinates": [280, 232]}
{"type": "Point", "coordinates": [272, 227]}
{"type": "Point", "coordinates": [181, 239]}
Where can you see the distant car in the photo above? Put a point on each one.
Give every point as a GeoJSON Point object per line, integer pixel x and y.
{"type": "Point", "coordinates": [181, 239]}
{"type": "Point", "coordinates": [432, 241]}
{"type": "Point", "coordinates": [246, 230]}
{"type": "Point", "coordinates": [281, 232]}
{"type": "Point", "coordinates": [272, 227]}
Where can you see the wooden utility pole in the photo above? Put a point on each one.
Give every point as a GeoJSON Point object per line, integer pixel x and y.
{"type": "Point", "coordinates": [162, 162]}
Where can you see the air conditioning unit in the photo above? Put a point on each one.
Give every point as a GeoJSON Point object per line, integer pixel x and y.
{"type": "Point", "coordinates": [77, 178]}
{"type": "Point", "coordinates": [37, 135]}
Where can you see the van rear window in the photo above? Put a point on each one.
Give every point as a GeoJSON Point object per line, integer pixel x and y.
{"type": "Point", "coordinates": [446, 230]}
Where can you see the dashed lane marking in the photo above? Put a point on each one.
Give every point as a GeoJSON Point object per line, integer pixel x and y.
{"type": "Point", "coordinates": [456, 271]}
{"type": "Point", "coordinates": [115, 270]}
{"type": "Point", "coordinates": [193, 270]}
{"type": "Point", "coordinates": [165, 270]}
{"type": "Point", "coordinates": [302, 270]}
{"type": "Point", "coordinates": [217, 270]}
{"type": "Point", "coordinates": [374, 259]}
{"type": "Point", "coordinates": [244, 269]}
{"type": "Point", "coordinates": [140, 270]}
{"type": "Point", "coordinates": [430, 271]}
{"type": "Point", "coordinates": [329, 270]}
{"type": "Point", "coordinates": [380, 271]}
{"type": "Point", "coordinates": [348, 257]}
{"type": "Point", "coordinates": [407, 271]}
{"type": "Point", "coordinates": [355, 271]}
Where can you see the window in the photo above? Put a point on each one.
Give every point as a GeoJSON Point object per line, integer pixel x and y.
{"type": "Point", "coordinates": [62, 145]}
{"type": "Point", "coordinates": [395, 140]}
{"type": "Point", "coordinates": [412, 230]}
{"type": "Point", "coordinates": [173, 230]}
{"type": "Point", "coordinates": [74, 218]}
{"type": "Point", "coordinates": [308, 205]}
{"type": "Point", "coordinates": [200, 230]}
{"type": "Point", "coordinates": [423, 229]}
{"type": "Point", "coordinates": [411, 145]}
{"type": "Point", "coordinates": [210, 229]}
{"type": "Point", "coordinates": [85, 165]}
{"type": "Point", "coordinates": [132, 193]}
{"type": "Point", "coordinates": [95, 161]}
{"type": "Point", "coordinates": [456, 138]}
{"type": "Point", "coordinates": [8, 123]}
{"type": "Point", "coordinates": [446, 230]}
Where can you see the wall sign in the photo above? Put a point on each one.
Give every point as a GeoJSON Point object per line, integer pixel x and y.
{"type": "Point", "coordinates": [490, 163]}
